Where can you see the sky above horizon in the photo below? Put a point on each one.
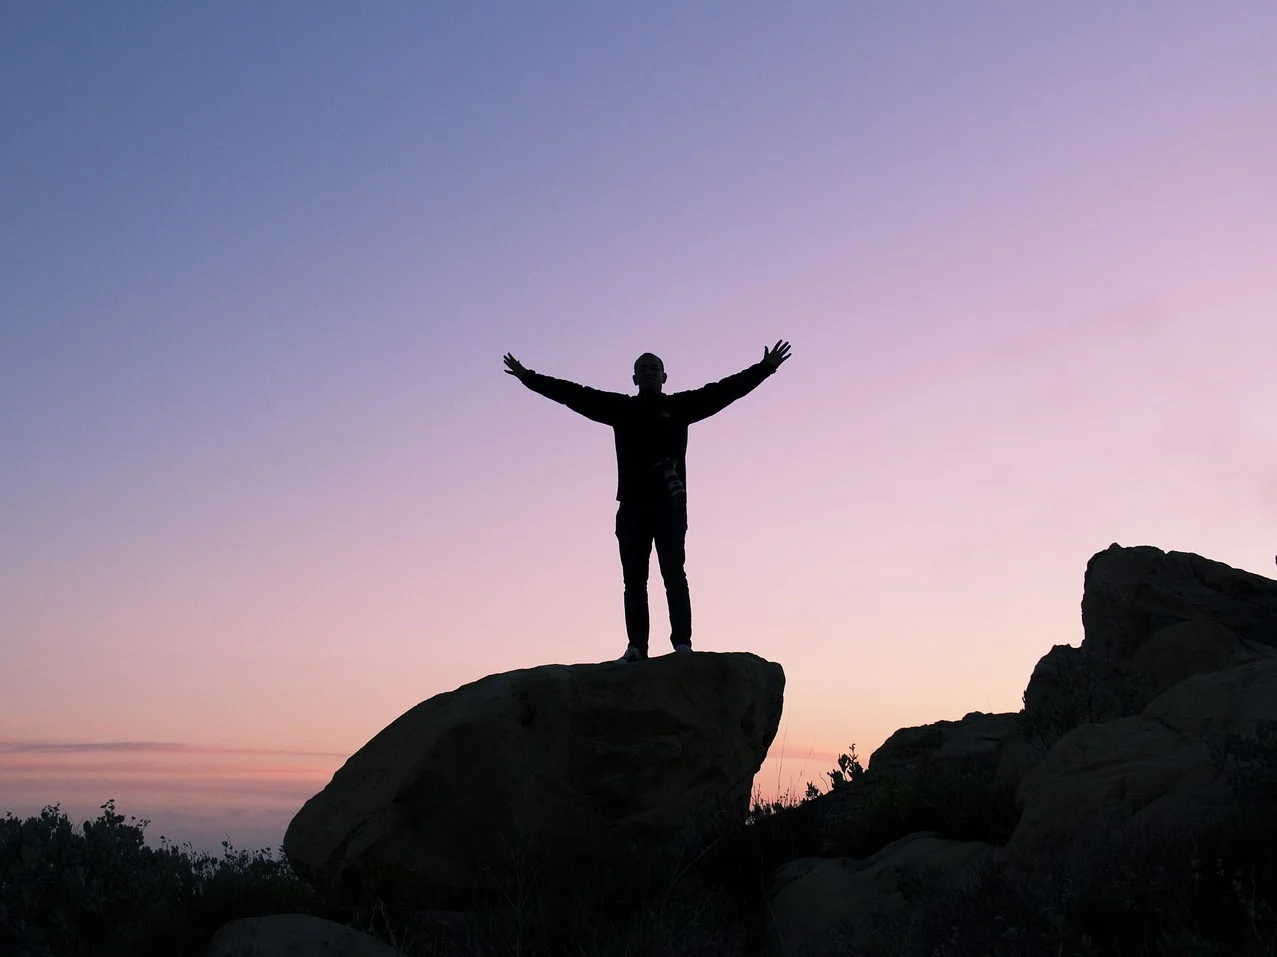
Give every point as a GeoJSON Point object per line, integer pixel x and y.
{"type": "Point", "coordinates": [265, 485]}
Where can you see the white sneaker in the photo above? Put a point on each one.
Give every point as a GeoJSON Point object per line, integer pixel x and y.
{"type": "Point", "coordinates": [682, 647]}
{"type": "Point", "coordinates": [632, 654]}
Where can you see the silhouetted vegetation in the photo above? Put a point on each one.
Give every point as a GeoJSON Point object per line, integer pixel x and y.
{"type": "Point", "coordinates": [100, 890]}
{"type": "Point", "coordinates": [1249, 762]}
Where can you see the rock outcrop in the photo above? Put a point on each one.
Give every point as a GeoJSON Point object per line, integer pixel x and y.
{"type": "Point", "coordinates": [1164, 713]}
{"type": "Point", "coordinates": [1130, 594]}
{"type": "Point", "coordinates": [1150, 619]}
{"type": "Point", "coordinates": [554, 757]}
{"type": "Point", "coordinates": [1178, 652]}
{"type": "Point", "coordinates": [980, 743]}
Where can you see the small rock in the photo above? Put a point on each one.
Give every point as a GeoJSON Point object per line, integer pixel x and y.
{"type": "Point", "coordinates": [293, 935]}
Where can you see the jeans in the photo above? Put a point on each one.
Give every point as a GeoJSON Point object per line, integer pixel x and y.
{"type": "Point", "coordinates": [637, 527]}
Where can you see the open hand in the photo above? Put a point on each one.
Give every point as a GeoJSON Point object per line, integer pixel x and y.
{"type": "Point", "coordinates": [776, 355]}
{"type": "Point", "coordinates": [515, 368]}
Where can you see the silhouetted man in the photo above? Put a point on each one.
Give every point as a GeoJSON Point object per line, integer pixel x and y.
{"type": "Point", "coordinates": [651, 444]}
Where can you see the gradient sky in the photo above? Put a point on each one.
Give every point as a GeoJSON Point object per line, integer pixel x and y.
{"type": "Point", "coordinates": [264, 485]}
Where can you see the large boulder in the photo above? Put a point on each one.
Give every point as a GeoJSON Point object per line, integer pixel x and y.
{"type": "Point", "coordinates": [1167, 764]}
{"type": "Point", "coordinates": [1129, 594]}
{"type": "Point", "coordinates": [554, 758]}
{"type": "Point", "coordinates": [836, 905]}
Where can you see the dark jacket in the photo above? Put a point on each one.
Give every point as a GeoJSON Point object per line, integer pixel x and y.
{"type": "Point", "coordinates": [649, 428]}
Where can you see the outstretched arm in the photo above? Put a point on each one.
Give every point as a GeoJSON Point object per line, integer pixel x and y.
{"type": "Point", "coordinates": [703, 402]}
{"type": "Point", "coordinates": [591, 403]}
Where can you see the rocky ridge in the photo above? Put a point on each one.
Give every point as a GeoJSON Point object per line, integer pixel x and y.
{"type": "Point", "coordinates": [1139, 724]}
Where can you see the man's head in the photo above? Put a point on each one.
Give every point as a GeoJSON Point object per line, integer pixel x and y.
{"type": "Point", "coordinates": [649, 373]}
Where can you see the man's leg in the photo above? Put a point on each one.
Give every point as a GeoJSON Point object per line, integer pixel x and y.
{"type": "Point", "coordinates": [634, 536]}
{"type": "Point", "coordinates": [670, 532]}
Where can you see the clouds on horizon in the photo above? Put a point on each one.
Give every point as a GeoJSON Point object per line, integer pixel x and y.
{"type": "Point", "coordinates": [11, 746]}
{"type": "Point", "coordinates": [205, 793]}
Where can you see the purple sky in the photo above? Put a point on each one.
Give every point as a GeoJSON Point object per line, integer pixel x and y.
{"type": "Point", "coordinates": [264, 486]}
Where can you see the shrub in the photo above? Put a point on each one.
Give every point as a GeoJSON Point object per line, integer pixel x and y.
{"type": "Point", "coordinates": [101, 891]}
{"type": "Point", "coordinates": [1249, 762]}
{"type": "Point", "coordinates": [956, 803]}
{"type": "Point", "coordinates": [848, 772]}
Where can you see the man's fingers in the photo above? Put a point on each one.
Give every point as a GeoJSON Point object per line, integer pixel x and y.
{"type": "Point", "coordinates": [514, 367]}
{"type": "Point", "coordinates": [777, 353]}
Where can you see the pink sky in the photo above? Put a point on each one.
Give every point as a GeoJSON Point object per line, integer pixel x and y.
{"type": "Point", "coordinates": [267, 485]}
